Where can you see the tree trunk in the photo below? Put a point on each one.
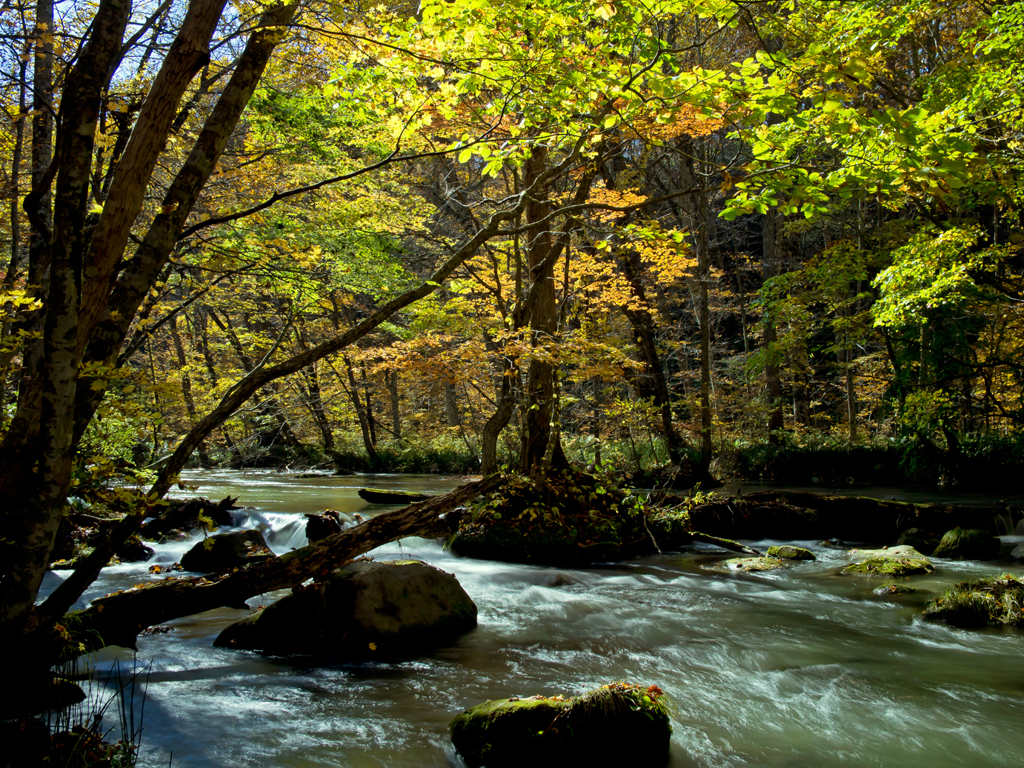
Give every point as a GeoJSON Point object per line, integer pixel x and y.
{"type": "Point", "coordinates": [361, 415]}
{"type": "Point", "coordinates": [772, 374]}
{"type": "Point", "coordinates": [451, 405]}
{"type": "Point", "coordinates": [801, 385]}
{"type": "Point", "coordinates": [704, 277]}
{"type": "Point", "coordinates": [35, 505]}
{"type": "Point", "coordinates": [186, 385]}
{"type": "Point", "coordinates": [540, 387]}
{"type": "Point", "coordinates": [396, 412]}
{"type": "Point", "coordinates": [651, 383]}
{"type": "Point", "coordinates": [499, 419]}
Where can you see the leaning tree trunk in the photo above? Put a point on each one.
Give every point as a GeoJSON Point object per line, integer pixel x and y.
{"type": "Point", "coordinates": [35, 499]}
{"type": "Point", "coordinates": [117, 619]}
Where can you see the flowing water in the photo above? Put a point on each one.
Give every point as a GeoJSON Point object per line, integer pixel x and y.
{"type": "Point", "coordinates": [798, 667]}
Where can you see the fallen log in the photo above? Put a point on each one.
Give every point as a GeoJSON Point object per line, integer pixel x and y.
{"type": "Point", "coordinates": [382, 496]}
{"type": "Point", "coordinates": [118, 618]}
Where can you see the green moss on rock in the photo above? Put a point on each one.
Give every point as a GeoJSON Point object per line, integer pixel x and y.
{"type": "Point", "coordinates": [570, 519]}
{"type": "Point", "coordinates": [896, 561]}
{"type": "Point", "coordinates": [754, 563]}
{"type": "Point", "coordinates": [621, 722]}
{"type": "Point", "coordinates": [967, 544]}
{"type": "Point", "coordinates": [981, 602]}
{"type": "Point", "coordinates": [789, 552]}
{"type": "Point", "coordinates": [896, 589]}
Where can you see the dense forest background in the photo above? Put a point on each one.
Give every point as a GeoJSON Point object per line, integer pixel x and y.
{"type": "Point", "coordinates": [681, 239]}
{"type": "Point", "coordinates": [767, 239]}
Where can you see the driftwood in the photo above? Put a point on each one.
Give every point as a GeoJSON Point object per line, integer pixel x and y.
{"type": "Point", "coordinates": [732, 546]}
{"type": "Point", "coordinates": [118, 618]}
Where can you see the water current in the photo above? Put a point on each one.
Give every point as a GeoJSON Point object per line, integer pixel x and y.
{"type": "Point", "coordinates": [797, 667]}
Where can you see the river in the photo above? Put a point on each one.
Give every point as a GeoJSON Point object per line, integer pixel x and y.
{"type": "Point", "coordinates": [798, 667]}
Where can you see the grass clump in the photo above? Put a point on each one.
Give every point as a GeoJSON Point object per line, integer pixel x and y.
{"type": "Point", "coordinates": [980, 603]}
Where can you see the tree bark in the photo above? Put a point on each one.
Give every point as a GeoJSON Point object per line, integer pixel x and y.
{"type": "Point", "coordinates": [772, 374]}
{"type": "Point", "coordinates": [540, 377]}
{"type": "Point", "coordinates": [396, 411]}
{"type": "Point", "coordinates": [189, 52]}
{"type": "Point", "coordinates": [361, 414]}
{"type": "Point", "coordinates": [36, 504]}
{"type": "Point", "coordinates": [651, 383]}
{"type": "Point", "coordinates": [186, 384]}
{"type": "Point", "coordinates": [145, 266]}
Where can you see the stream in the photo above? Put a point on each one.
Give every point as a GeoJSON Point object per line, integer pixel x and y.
{"type": "Point", "coordinates": [796, 667]}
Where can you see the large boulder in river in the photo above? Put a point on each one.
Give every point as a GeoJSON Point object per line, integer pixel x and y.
{"type": "Point", "coordinates": [365, 610]}
{"type": "Point", "coordinates": [789, 552]}
{"type": "Point", "coordinates": [226, 551]}
{"type": "Point", "coordinates": [619, 723]}
{"type": "Point", "coordinates": [894, 561]}
{"type": "Point", "coordinates": [967, 544]}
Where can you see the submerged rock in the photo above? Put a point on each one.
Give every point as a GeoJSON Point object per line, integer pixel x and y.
{"type": "Point", "coordinates": [134, 551]}
{"type": "Point", "coordinates": [365, 610]}
{"type": "Point", "coordinates": [1018, 552]}
{"type": "Point", "coordinates": [896, 589]}
{"type": "Point", "coordinates": [789, 552]}
{"type": "Point", "coordinates": [754, 563]}
{"type": "Point", "coordinates": [321, 526]}
{"type": "Point", "coordinates": [895, 561]}
{"type": "Point", "coordinates": [226, 551]}
{"type": "Point", "coordinates": [967, 544]}
{"type": "Point", "coordinates": [980, 603]}
{"type": "Point", "coordinates": [621, 722]}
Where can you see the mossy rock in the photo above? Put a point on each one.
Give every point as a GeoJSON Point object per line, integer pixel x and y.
{"type": "Point", "coordinates": [754, 564]}
{"type": "Point", "coordinates": [225, 552]}
{"type": "Point", "coordinates": [366, 610]}
{"type": "Point", "coordinates": [621, 722]}
{"type": "Point", "coordinates": [789, 552]}
{"type": "Point", "coordinates": [571, 519]}
{"type": "Point", "coordinates": [896, 589]}
{"type": "Point", "coordinates": [980, 603]}
{"type": "Point", "coordinates": [967, 544]}
{"type": "Point", "coordinates": [896, 561]}
{"type": "Point", "coordinates": [923, 541]}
